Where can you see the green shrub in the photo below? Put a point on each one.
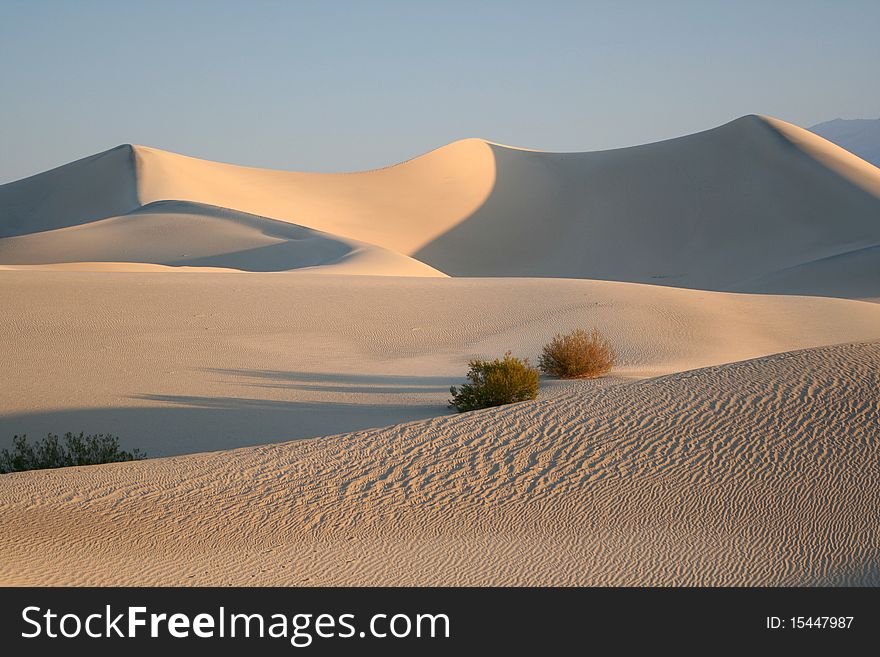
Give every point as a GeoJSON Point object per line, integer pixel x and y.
{"type": "Point", "coordinates": [83, 449]}
{"type": "Point", "coordinates": [494, 383]}
{"type": "Point", "coordinates": [578, 355]}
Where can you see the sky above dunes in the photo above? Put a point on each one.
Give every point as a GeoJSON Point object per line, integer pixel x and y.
{"type": "Point", "coordinates": [337, 86]}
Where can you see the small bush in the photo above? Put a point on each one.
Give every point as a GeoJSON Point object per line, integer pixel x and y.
{"type": "Point", "coordinates": [578, 355]}
{"type": "Point", "coordinates": [76, 450]}
{"type": "Point", "coordinates": [495, 383]}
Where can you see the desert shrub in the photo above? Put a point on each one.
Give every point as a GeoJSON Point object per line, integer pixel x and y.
{"type": "Point", "coordinates": [50, 452]}
{"type": "Point", "coordinates": [494, 383]}
{"type": "Point", "coordinates": [577, 355]}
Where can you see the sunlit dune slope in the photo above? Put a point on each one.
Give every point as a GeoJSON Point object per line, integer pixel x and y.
{"type": "Point", "coordinates": [402, 207]}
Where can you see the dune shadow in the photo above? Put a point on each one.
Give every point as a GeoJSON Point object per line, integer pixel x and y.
{"type": "Point", "coordinates": [284, 256]}
{"type": "Point", "coordinates": [339, 382]}
{"type": "Point", "coordinates": [183, 424]}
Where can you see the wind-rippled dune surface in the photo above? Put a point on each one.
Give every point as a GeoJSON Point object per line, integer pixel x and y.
{"type": "Point", "coordinates": [760, 472]}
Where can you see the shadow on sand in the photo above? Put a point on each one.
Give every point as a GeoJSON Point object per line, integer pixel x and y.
{"type": "Point", "coordinates": [341, 383]}
{"type": "Point", "coordinates": [180, 424]}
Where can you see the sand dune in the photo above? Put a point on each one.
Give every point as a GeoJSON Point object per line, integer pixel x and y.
{"type": "Point", "coordinates": [716, 210]}
{"type": "Point", "coordinates": [178, 233]}
{"type": "Point", "coordinates": [177, 364]}
{"type": "Point", "coordinates": [398, 208]}
{"type": "Point", "coordinates": [853, 274]}
{"type": "Point", "coordinates": [175, 302]}
{"type": "Point", "coordinates": [709, 211]}
{"type": "Point", "coordinates": [96, 187]}
{"type": "Point", "coordinates": [762, 472]}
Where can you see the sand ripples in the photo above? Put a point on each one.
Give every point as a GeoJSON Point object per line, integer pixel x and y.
{"type": "Point", "coordinates": [760, 472]}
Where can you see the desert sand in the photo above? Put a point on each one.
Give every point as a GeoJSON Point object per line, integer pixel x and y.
{"type": "Point", "coordinates": [178, 363]}
{"type": "Point", "coordinates": [756, 473]}
{"type": "Point", "coordinates": [310, 325]}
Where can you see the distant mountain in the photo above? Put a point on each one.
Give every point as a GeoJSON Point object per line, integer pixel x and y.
{"type": "Point", "coordinates": [859, 136]}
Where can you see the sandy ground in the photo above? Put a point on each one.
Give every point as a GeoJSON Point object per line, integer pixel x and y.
{"type": "Point", "coordinates": [757, 473]}
{"type": "Point", "coordinates": [193, 306]}
{"type": "Point", "coordinates": [178, 363]}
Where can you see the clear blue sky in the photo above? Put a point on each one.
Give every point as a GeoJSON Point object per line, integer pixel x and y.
{"type": "Point", "coordinates": [333, 86]}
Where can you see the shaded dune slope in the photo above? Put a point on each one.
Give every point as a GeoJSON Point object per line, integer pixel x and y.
{"type": "Point", "coordinates": [711, 210]}
{"type": "Point", "coordinates": [761, 472]}
{"type": "Point", "coordinates": [854, 274]}
{"type": "Point", "coordinates": [95, 187]}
